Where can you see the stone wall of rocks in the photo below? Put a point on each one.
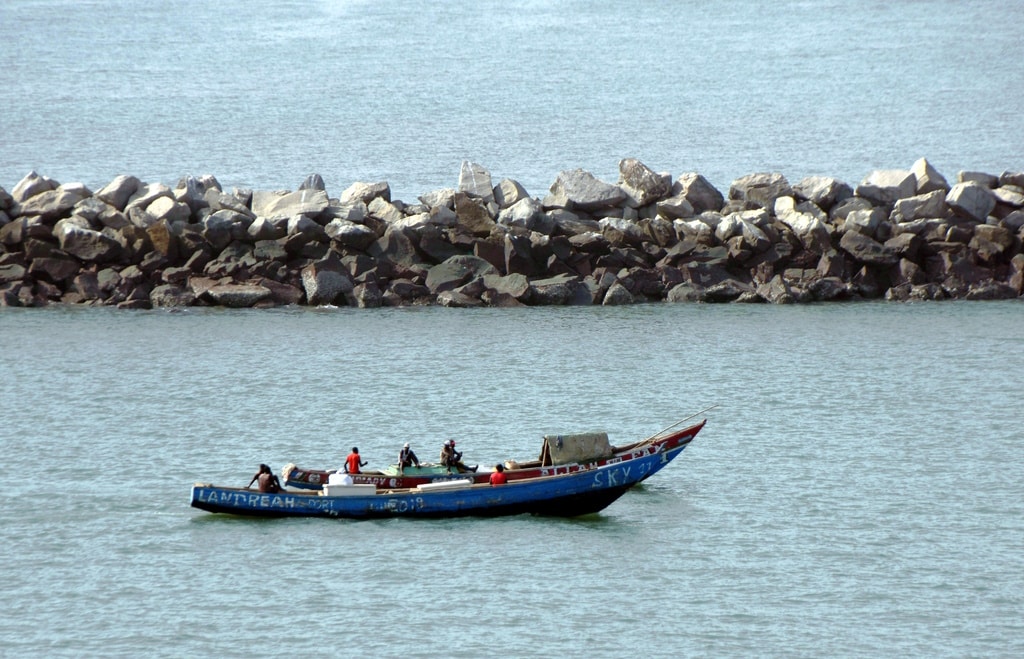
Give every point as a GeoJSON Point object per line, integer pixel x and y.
{"type": "Point", "coordinates": [899, 234]}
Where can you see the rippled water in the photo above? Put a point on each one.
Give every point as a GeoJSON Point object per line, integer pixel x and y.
{"type": "Point", "coordinates": [857, 492]}
{"type": "Point", "coordinates": [263, 93]}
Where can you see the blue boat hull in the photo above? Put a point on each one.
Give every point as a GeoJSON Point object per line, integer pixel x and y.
{"type": "Point", "coordinates": [568, 495]}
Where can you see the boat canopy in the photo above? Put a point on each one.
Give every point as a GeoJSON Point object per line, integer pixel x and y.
{"type": "Point", "coordinates": [580, 447]}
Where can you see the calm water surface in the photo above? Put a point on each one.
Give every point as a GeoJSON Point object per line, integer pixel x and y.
{"type": "Point", "coordinates": [857, 492]}
{"type": "Point", "coordinates": [263, 93]}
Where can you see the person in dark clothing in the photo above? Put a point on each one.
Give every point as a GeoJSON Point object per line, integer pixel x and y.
{"type": "Point", "coordinates": [406, 458]}
{"type": "Point", "coordinates": [453, 459]}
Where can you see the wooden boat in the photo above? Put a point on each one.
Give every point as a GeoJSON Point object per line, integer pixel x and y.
{"type": "Point", "coordinates": [578, 492]}
{"type": "Point", "coordinates": [560, 454]}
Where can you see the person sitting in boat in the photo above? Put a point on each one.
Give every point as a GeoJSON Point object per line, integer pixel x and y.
{"type": "Point", "coordinates": [451, 458]}
{"type": "Point", "coordinates": [265, 480]}
{"type": "Point", "coordinates": [353, 462]}
{"type": "Point", "coordinates": [498, 476]}
{"type": "Point", "coordinates": [406, 458]}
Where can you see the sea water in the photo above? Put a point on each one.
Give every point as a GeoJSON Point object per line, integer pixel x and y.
{"type": "Point", "coordinates": [261, 94]}
{"type": "Point", "coordinates": [856, 492]}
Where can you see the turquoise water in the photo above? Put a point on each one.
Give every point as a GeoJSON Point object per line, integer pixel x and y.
{"type": "Point", "coordinates": [857, 492]}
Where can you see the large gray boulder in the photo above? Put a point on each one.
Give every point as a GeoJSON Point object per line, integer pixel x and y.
{"type": "Point", "coordinates": [313, 182]}
{"type": "Point", "coordinates": [475, 181]}
{"type": "Point", "coordinates": [6, 200]}
{"type": "Point", "coordinates": [56, 268]}
{"type": "Point", "coordinates": [353, 212]}
{"type": "Point", "coordinates": [571, 224]}
{"type": "Point", "coordinates": [864, 222]}
{"type": "Point", "coordinates": [238, 295]}
{"type": "Point", "coordinates": [51, 205]}
{"type": "Point", "coordinates": [170, 295]}
{"type": "Point", "coordinates": [12, 272]}
{"type": "Point", "coordinates": [563, 290]}
{"type": "Point", "coordinates": [508, 192]}
{"type": "Point", "coordinates": [698, 192]}
{"type": "Point", "coordinates": [384, 210]}
{"type": "Point", "coordinates": [867, 250]}
{"type": "Point", "coordinates": [281, 293]}
{"type": "Point", "coordinates": [86, 244]}
{"type": "Point", "coordinates": [524, 213]}
{"type": "Point", "coordinates": [119, 191]}
{"type": "Point", "coordinates": [514, 285]}
{"type": "Point", "coordinates": [440, 197]}
{"type": "Point", "coordinates": [100, 214]}
{"type": "Point", "coordinates": [31, 185]}
{"type": "Point", "coordinates": [761, 189]}
{"type": "Point", "coordinates": [456, 271]}
{"type": "Point", "coordinates": [578, 189]}
{"type": "Point", "coordinates": [686, 291]}
{"type": "Point", "coordinates": [883, 187]}
{"type": "Point", "coordinates": [472, 215]}
{"type": "Point", "coordinates": [260, 229]}
{"type": "Point", "coordinates": [922, 206]}
{"type": "Point", "coordinates": [366, 192]}
{"type": "Point", "coordinates": [145, 195]}
{"type": "Point", "coordinates": [729, 226]}
{"type": "Point", "coordinates": [220, 228]}
{"type": "Point", "coordinates": [367, 295]}
{"type": "Point", "coordinates": [971, 200]}
{"type": "Point", "coordinates": [812, 232]}
{"type": "Point", "coordinates": [675, 207]}
{"type": "Point", "coordinates": [621, 232]}
{"type": "Point", "coordinates": [350, 234]}
{"type": "Point", "coordinates": [642, 185]}
{"type": "Point", "coordinates": [218, 201]}
{"type": "Point", "coordinates": [325, 281]}
{"type": "Point", "coordinates": [617, 295]}
{"type": "Point", "coordinates": [982, 178]}
{"type": "Point", "coordinates": [169, 209]}
{"type": "Point", "coordinates": [927, 178]}
{"type": "Point", "coordinates": [823, 191]}
{"type": "Point", "coordinates": [777, 291]}
{"type": "Point", "coordinates": [754, 237]}
{"type": "Point", "coordinates": [1012, 178]}
{"type": "Point", "coordinates": [1014, 220]}
{"type": "Point", "coordinates": [1009, 195]}
{"type": "Point", "coordinates": [302, 229]}
{"type": "Point", "coordinates": [278, 206]}
{"type": "Point", "coordinates": [396, 246]}
{"type": "Point", "coordinates": [457, 299]}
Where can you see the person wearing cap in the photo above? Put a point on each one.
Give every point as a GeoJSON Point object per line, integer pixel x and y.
{"type": "Point", "coordinates": [451, 458]}
{"type": "Point", "coordinates": [265, 480]}
{"type": "Point", "coordinates": [407, 458]}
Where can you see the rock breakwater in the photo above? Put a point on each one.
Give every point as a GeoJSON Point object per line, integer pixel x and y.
{"type": "Point", "coordinates": [899, 234]}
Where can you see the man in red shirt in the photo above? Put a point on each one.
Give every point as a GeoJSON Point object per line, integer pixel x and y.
{"type": "Point", "coordinates": [353, 462]}
{"type": "Point", "coordinates": [498, 476]}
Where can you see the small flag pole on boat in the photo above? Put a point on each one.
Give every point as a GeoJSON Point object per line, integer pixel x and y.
{"type": "Point", "coordinates": [681, 421]}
